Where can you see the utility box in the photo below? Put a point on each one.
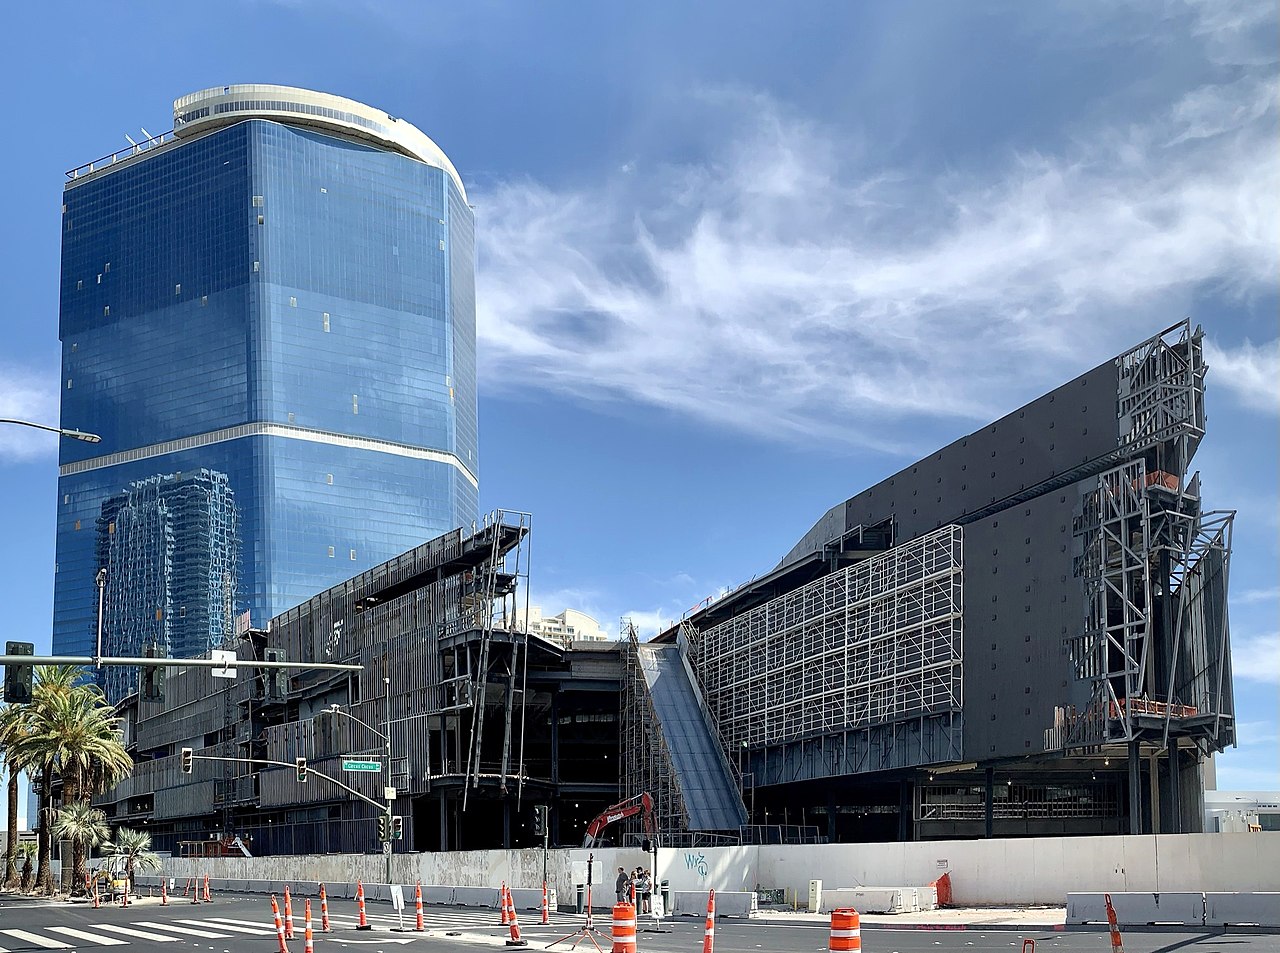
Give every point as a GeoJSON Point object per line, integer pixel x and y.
{"type": "Point", "coordinates": [815, 896]}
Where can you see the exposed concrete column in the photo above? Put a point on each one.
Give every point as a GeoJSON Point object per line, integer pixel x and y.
{"type": "Point", "coordinates": [1175, 789]}
{"type": "Point", "coordinates": [990, 803]}
{"type": "Point", "coordinates": [1135, 789]}
{"type": "Point", "coordinates": [555, 739]}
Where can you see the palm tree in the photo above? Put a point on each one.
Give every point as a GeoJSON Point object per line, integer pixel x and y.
{"type": "Point", "coordinates": [86, 827]}
{"type": "Point", "coordinates": [135, 848]}
{"type": "Point", "coordinates": [50, 680]}
{"type": "Point", "coordinates": [12, 728]}
{"type": "Point", "coordinates": [28, 850]}
{"type": "Point", "coordinates": [70, 731]}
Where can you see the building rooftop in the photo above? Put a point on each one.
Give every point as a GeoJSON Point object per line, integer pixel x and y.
{"type": "Point", "coordinates": [209, 109]}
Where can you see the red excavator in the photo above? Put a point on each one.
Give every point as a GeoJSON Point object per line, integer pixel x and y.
{"type": "Point", "coordinates": [640, 804]}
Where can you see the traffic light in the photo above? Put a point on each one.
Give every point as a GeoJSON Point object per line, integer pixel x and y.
{"type": "Point", "coordinates": [153, 677]}
{"type": "Point", "coordinates": [188, 760]}
{"type": "Point", "coordinates": [384, 827]}
{"type": "Point", "coordinates": [540, 820]}
{"type": "Point", "coordinates": [277, 680]}
{"type": "Point", "coordinates": [17, 678]}
{"type": "Point", "coordinates": [397, 827]}
{"type": "Point", "coordinates": [302, 769]}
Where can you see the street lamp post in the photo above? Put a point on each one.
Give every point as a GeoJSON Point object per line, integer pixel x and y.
{"type": "Point", "coordinates": [334, 709]}
{"type": "Point", "coordinates": [62, 431]}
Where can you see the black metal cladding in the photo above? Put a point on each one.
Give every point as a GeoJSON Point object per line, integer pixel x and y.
{"type": "Point", "coordinates": [1051, 439]}
{"type": "Point", "coordinates": [1018, 487]}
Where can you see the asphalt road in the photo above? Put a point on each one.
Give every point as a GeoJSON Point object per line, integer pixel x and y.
{"type": "Point", "coordinates": [243, 925]}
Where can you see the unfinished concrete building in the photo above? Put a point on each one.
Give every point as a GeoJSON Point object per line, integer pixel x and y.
{"type": "Point", "coordinates": [1023, 633]}
{"type": "Point", "coordinates": [484, 720]}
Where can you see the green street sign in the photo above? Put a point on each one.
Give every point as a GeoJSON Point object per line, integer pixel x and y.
{"type": "Point", "coordinates": [361, 765]}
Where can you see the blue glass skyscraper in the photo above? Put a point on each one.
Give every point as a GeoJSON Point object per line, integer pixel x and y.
{"type": "Point", "coordinates": [278, 297]}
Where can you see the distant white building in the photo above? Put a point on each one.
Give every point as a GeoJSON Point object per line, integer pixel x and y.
{"type": "Point", "coordinates": [569, 626]}
{"type": "Point", "coordinates": [1231, 811]}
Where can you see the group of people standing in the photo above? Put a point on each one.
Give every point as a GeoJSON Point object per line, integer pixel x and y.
{"type": "Point", "coordinates": [642, 881]}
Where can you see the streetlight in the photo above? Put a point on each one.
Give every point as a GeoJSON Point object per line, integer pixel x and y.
{"type": "Point", "coordinates": [336, 709]}
{"type": "Point", "coordinates": [63, 431]}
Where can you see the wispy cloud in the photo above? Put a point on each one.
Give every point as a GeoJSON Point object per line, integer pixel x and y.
{"type": "Point", "coordinates": [1253, 596]}
{"type": "Point", "coordinates": [1250, 372]}
{"type": "Point", "coordinates": [27, 395]}
{"type": "Point", "coordinates": [785, 285]}
{"type": "Point", "coordinates": [1255, 657]}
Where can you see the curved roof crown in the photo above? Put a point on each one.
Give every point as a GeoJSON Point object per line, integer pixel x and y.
{"type": "Point", "coordinates": [223, 105]}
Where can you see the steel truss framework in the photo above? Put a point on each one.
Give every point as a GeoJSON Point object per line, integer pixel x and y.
{"type": "Point", "coordinates": [646, 763]}
{"type": "Point", "coordinates": [1155, 643]}
{"type": "Point", "coordinates": [864, 650]}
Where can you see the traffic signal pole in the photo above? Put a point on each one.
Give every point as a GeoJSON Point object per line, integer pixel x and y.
{"type": "Point", "coordinates": [172, 662]}
{"type": "Point", "coordinates": [287, 764]}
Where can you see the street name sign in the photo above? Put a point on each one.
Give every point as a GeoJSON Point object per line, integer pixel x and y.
{"type": "Point", "coordinates": [349, 765]}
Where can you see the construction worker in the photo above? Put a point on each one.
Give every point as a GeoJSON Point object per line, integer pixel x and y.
{"type": "Point", "coordinates": [644, 888]}
{"type": "Point", "coordinates": [622, 885]}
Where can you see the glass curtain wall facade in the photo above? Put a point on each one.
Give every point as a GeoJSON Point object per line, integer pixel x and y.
{"type": "Point", "coordinates": [288, 310]}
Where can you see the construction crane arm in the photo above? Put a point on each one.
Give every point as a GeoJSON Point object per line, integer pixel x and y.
{"type": "Point", "coordinates": [640, 804]}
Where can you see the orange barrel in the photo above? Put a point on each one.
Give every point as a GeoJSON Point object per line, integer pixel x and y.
{"type": "Point", "coordinates": [624, 928]}
{"type": "Point", "coordinates": [846, 931]}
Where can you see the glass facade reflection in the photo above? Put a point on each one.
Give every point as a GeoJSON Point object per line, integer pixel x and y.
{"type": "Point", "coordinates": [283, 308]}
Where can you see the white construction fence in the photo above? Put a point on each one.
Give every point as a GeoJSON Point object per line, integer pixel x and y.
{"type": "Point", "coordinates": [1039, 870]}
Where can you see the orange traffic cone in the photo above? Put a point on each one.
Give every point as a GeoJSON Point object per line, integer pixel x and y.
{"type": "Point", "coordinates": [624, 928]}
{"type": "Point", "coordinates": [364, 921]}
{"type": "Point", "coordinates": [709, 938]}
{"type": "Point", "coordinates": [324, 911]}
{"type": "Point", "coordinates": [502, 904]}
{"type": "Point", "coordinates": [417, 907]}
{"type": "Point", "coordinates": [164, 891]}
{"type": "Point", "coordinates": [275, 915]}
{"type": "Point", "coordinates": [288, 914]}
{"type": "Point", "coordinates": [207, 898]}
{"type": "Point", "coordinates": [846, 931]}
{"type": "Point", "coordinates": [546, 910]}
{"type": "Point", "coordinates": [308, 946]}
{"type": "Point", "coordinates": [514, 923]}
{"type": "Point", "coordinates": [1117, 944]}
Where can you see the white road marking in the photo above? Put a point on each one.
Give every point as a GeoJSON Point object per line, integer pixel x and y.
{"type": "Point", "coordinates": [97, 938]}
{"type": "Point", "coordinates": [231, 925]}
{"type": "Point", "coordinates": [140, 934]}
{"type": "Point", "coordinates": [185, 931]}
{"type": "Point", "coordinates": [38, 940]}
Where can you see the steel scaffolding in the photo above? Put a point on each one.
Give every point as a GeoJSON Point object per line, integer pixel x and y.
{"type": "Point", "coordinates": [1155, 644]}
{"type": "Point", "coordinates": [645, 764]}
{"type": "Point", "coordinates": [877, 642]}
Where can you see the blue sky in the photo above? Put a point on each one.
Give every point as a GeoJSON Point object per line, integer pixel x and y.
{"type": "Point", "coordinates": [739, 262]}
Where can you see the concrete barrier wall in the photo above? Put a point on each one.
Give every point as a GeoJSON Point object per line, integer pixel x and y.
{"type": "Point", "coordinates": [472, 876]}
{"type": "Point", "coordinates": [1241, 909]}
{"type": "Point", "coordinates": [998, 871]}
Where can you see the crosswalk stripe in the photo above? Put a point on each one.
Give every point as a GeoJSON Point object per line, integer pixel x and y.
{"type": "Point", "coordinates": [185, 931]}
{"type": "Point", "coordinates": [252, 924]}
{"type": "Point", "coordinates": [38, 940]}
{"type": "Point", "coordinates": [140, 934]}
{"type": "Point", "coordinates": [224, 925]}
{"type": "Point", "coordinates": [97, 938]}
